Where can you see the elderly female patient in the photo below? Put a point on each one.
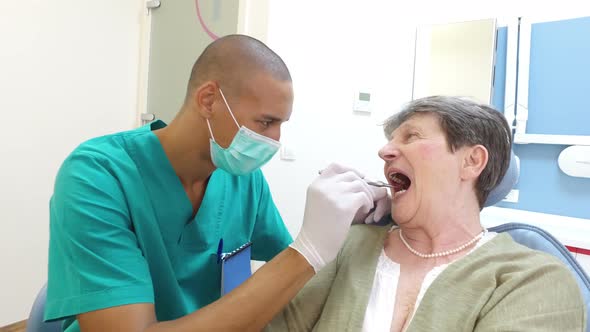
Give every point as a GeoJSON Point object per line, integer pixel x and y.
{"type": "Point", "coordinates": [438, 269]}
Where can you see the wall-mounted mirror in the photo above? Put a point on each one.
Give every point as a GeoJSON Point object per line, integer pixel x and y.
{"type": "Point", "coordinates": [455, 59]}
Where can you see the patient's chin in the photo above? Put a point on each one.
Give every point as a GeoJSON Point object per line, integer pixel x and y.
{"type": "Point", "coordinates": [402, 214]}
{"type": "Point", "coordinates": [399, 218]}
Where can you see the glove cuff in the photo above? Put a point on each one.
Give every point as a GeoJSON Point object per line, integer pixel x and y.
{"type": "Point", "coordinates": [303, 246]}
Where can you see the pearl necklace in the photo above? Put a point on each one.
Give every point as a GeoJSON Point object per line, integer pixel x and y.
{"type": "Point", "coordinates": [442, 253]}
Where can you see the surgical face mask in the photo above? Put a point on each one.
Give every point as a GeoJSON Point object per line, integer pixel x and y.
{"type": "Point", "coordinates": [247, 152]}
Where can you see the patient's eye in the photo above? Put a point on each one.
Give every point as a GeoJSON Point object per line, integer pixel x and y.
{"type": "Point", "coordinates": [411, 135]}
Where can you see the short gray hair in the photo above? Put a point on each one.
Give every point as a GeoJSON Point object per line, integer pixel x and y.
{"type": "Point", "coordinates": [466, 123]}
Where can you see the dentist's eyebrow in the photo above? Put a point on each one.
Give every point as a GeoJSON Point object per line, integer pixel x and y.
{"type": "Point", "coordinates": [272, 118]}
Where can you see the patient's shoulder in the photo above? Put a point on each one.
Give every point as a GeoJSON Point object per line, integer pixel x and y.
{"type": "Point", "coordinates": [505, 260]}
{"type": "Point", "coordinates": [506, 249]}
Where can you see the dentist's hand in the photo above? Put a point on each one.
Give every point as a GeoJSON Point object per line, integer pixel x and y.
{"type": "Point", "coordinates": [333, 200]}
{"type": "Point", "coordinates": [382, 202]}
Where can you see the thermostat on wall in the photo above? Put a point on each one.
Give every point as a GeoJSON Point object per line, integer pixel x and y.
{"type": "Point", "coordinates": [362, 101]}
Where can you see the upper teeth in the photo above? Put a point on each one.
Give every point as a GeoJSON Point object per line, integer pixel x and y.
{"type": "Point", "coordinates": [395, 179]}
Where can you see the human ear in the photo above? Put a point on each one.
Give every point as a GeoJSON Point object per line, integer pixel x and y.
{"type": "Point", "coordinates": [204, 98]}
{"type": "Point", "coordinates": [475, 159]}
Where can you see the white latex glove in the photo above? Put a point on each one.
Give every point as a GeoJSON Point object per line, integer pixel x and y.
{"type": "Point", "coordinates": [332, 202]}
{"type": "Point", "coordinates": [382, 202]}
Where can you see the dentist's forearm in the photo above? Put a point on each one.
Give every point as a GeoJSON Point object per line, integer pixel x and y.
{"type": "Point", "coordinates": [249, 307]}
{"type": "Point", "coordinates": [252, 305]}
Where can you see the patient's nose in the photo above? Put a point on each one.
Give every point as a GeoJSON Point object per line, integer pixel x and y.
{"type": "Point", "coordinates": [388, 152]}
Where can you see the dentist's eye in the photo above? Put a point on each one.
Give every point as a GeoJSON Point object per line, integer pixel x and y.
{"type": "Point", "coordinates": [265, 124]}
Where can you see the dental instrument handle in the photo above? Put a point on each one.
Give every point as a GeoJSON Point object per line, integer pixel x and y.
{"type": "Point", "coordinates": [378, 184]}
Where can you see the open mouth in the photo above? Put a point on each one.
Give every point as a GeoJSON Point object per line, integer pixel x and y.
{"type": "Point", "coordinates": [400, 182]}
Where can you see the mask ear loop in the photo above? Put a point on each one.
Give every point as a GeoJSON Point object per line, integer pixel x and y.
{"type": "Point", "coordinates": [210, 131]}
{"type": "Point", "coordinates": [228, 108]}
{"type": "Point", "coordinates": [230, 113]}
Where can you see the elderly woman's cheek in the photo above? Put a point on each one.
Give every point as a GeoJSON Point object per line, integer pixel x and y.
{"type": "Point", "coordinates": [430, 151]}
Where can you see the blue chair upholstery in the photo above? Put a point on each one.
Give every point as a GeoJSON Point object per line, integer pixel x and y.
{"type": "Point", "coordinates": [507, 183]}
{"type": "Point", "coordinates": [538, 239]}
{"type": "Point", "coordinates": [35, 323]}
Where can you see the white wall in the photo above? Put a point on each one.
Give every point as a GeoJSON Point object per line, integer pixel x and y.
{"type": "Point", "coordinates": [68, 71]}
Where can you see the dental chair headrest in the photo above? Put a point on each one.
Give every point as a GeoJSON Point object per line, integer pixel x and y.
{"type": "Point", "coordinates": [508, 181]}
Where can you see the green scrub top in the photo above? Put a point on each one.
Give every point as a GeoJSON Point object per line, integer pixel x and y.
{"type": "Point", "coordinates": [121, 230]}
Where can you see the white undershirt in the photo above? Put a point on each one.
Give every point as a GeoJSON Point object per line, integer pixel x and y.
{"type": "Point", "coordinates": [379, 311]}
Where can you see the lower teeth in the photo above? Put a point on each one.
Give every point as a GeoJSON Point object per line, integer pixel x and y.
{"type": "Point", "coordinates": [400, 192]}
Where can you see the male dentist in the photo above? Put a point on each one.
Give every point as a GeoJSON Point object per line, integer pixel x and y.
{"type": "Point", "coordinates": [136, 217]}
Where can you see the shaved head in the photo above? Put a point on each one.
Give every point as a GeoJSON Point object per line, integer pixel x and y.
{"type": "Point", "coordinates": [232, 60]}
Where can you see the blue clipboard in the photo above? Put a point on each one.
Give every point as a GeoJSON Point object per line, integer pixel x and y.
{"type": "Point", "coordinates": [235, 268]}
